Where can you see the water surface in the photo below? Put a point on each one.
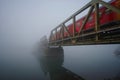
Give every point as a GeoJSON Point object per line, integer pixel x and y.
{"type": "Point", "coordinates": [92, 62]}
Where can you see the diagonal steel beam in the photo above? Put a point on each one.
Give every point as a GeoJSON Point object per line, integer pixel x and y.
{"type": "Point", "coordinates": [79, 11]}
{"type": "Point", "coordinates": [109, 6]}
{"type": "Point", "coordinates": [67, 30]}
{"type": "Point", "coordinates": [86, 19]}
{"type": "Point", "coordinates": [61, 32]}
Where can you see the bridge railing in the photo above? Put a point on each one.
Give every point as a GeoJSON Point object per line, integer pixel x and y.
{"type": "Point", "coordinates": [62, 28]}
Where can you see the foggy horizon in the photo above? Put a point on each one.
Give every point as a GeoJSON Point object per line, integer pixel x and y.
{"type": "Point", "coordinates": [26, 21]}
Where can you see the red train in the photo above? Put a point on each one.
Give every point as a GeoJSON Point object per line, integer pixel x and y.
{"type": "Point", "coordinates": [106, 17]}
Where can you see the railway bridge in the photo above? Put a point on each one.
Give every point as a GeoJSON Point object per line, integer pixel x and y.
{"type": "Point", "coordinates": [108, 33]}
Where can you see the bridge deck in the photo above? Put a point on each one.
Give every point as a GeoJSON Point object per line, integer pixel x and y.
{"type": "Point", "coordinates": [105, 36]}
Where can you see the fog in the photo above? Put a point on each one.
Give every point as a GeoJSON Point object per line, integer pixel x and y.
{"type": "Point", "coordinates": [24, 22]}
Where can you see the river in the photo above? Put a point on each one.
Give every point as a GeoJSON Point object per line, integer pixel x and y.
{"type": "Point", "coordinates": [89, 62]}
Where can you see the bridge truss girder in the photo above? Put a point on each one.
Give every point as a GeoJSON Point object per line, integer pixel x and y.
{"type": "Point", "coordinates": [78, 38]}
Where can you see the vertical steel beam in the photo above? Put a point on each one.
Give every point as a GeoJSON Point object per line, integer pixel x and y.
{"type": "Point", "coordinates": [74, 26]}
{"type": "Point", "coordinates": [53, 34]}
{"type": "Point", "coordinates": [59, 33]}
{"type": "Point", "coordinates": [56, 34]}
{"type": "Point", "coordinates": [62, 32]}
{"type": "Point", "coordinates": [50, 38]}
{"type": "Point", "coordinates": [96, 19]}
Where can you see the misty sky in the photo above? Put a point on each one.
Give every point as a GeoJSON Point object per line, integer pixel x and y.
{"type": "Point", "coordinates": [26, 21]}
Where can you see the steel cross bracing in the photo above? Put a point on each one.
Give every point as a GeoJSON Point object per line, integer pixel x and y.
{"type": "Point", "coordinates": [95, 37]}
